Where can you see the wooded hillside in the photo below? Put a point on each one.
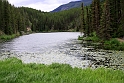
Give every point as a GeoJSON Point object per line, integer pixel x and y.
{"type": "Point", "coordinates": [14, 20]}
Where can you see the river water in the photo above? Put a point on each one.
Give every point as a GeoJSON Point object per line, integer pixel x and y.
{"type": "Point", "coordinates": [38, 42]}
{"type": "Point", "coordinates": [59, 47]}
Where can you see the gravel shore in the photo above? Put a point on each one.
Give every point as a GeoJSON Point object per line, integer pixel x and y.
{"type": "Point", "coordinates": [48, 58]}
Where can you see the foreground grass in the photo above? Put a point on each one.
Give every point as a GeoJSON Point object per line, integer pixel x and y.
{"type": "Point", "coordinates": [14, 71]}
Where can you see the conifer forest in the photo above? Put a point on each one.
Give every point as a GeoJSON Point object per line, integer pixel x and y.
{"type": "Point", "coordinates": [104, 18]}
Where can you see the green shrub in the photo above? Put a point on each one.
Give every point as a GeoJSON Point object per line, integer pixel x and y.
{"type": "Point", "coordinates": [121, 46]}
{"type": "Point", "coordinates": [8, 37]}
{"type": "Point", "coordinates": [94, 39]}
{"type": "Point", "coordinates": [80, 37]}
{"type": "Point", "coordinates": [113, 44]}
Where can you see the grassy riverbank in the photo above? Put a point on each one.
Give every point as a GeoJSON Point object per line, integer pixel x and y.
{"type": "Point", "coordinates": [112, 44]}
{"type": "Point", "coordinates": [8, 37]}
{"type": "Point", "coordinates": [14, 71]}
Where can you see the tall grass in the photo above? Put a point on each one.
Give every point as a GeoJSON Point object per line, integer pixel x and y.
{"type": "Point", "coordinates": [8, 37]}
{"type": "Point", "coordinates": [14, 71]}
{"type": "Point", "coordinates": [114, 44]}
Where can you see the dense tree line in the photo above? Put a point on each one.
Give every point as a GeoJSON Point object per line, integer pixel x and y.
{"type": "Point", "coordinates": [14, 20]}
{"type": "Point", "coordinates": [11, 19]}
{"type": "Point", "coordinates": [105, 18]}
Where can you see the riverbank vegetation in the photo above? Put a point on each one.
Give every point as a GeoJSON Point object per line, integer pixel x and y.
{"type": "Point", "coordinates": [106, 19]}
{"type": "Point", "coordinates": [114, 44]}
{"type": "Point", "coordinates": [8, 37]}
{"type": "Point", "coordinates": [14, 71]}
{"type": "Point", "coordinates": [111, 44]}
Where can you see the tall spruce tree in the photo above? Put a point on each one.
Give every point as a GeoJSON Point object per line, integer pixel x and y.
{"type": "Point", "coordinates": [105, 28]}
{"type": "Point", "coordinates": [1, 15]}
{"type": "Point", "coordinates": [97, 15]}
{"type": "Point", "coordinates": [83, 20]}
{"type": "Point", "coordinates": [88, 21]}
{"type": "Point", "coordinates": [7, 27]}
{"type": "Point", "coordinates": [93, 22]}
{"type": "Point", "coordinates": [121, 27]}
{"type": "Point", "coordinates": [114, 16]}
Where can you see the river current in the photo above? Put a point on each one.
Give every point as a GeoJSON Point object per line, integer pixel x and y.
{"type": "Point", "coordinates": [59, 47]}
{"type": "Point", "coordinates": [38, 42]}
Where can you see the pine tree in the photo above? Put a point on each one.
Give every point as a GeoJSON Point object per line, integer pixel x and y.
{"type": "Point", "coordinates": [8, 29]}
{"type": "Point", "coordinates": [105, 22]}
{"type": "Point", "coordinates": [121, 27]}
{"type": "Point", "coordinates": [93, 22]}
{"type": "Point", "coordinates": [88, 22]}
{"type": "Point", "coordinates": [1, 15]}
{"type": "Point", "coordinates": [97, 15]}
{"type": "Point", "coordinates": [115, 14]}
{"type": "Point", "coordinates": [83, 20]}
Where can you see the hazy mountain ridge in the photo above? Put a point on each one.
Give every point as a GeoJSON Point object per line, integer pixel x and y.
{"type": "Point", "coordinates": [72, 4]}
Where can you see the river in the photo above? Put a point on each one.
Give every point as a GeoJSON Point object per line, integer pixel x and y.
{"type": "Point", "coordinates": [38, 42]}
{"type": "Point", "coordinates": [58, 47]}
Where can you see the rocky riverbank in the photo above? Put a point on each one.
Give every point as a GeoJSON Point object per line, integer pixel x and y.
{"type": "Point", "coordinates": [74, 54]}
{"type": "Point", "coordinates": [47, 58]}
{"type": "Point", "coordinates": [97, 57]}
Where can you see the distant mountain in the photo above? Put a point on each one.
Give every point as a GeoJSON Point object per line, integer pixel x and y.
{"type": "Point", "coordinates": [72, 4]}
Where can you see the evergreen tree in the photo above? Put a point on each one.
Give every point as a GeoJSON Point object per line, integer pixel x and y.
{"type": "Point", "coordinates": [88, 22]}
{"type": "Point", "coordinates": [105, 22]}
{"type": "Point", "coordinates": [97, 15]}
{"type": "Point", "coordinates": [7, 27]}
{"type": "Point", "coordinates": [114, 16]}
{"type": "Point", "coordinates": [93, 21]}
{"type": "Point", "coordinates": [1, 14]}
{"type": "Point", "coordinates": [121, 27]}
{"type": "Point", "coordinates": [95, 8]}
{"type": "Point", "coordinates": [83, 21]}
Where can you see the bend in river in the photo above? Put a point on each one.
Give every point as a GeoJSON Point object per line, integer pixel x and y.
{"type": "Point", "coordinates": [38, 42]}
{"type": "Point", "coordinates": [59, 47]}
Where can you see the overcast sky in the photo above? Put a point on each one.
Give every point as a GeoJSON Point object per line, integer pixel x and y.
{"type": "Point", "coordinates": [43, 5]}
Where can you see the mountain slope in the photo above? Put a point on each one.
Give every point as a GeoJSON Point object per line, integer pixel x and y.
{"type": "Point", "coordinates": [72, 5]}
